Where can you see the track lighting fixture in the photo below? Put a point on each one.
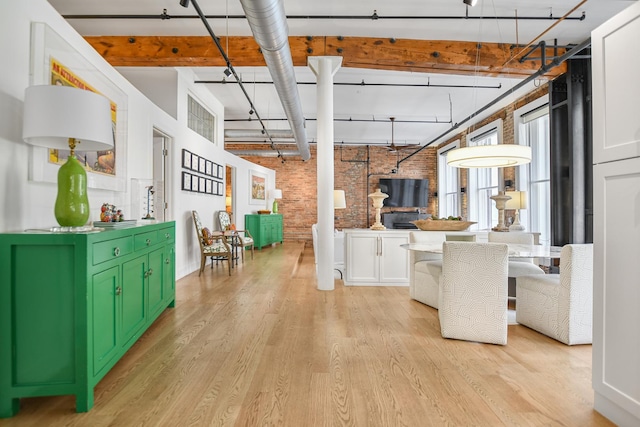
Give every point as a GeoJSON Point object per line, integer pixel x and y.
{"type": "Point", "coordinates": [470, 2]}
{"type": "Point", "coordinates": [184, 3]}
{"type": "Point", "coordinates": [251, 111]}
{"type": "Point", "coordinates": [227, 72]}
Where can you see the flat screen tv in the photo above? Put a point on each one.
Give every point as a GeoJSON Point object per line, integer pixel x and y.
{"type": "Point", "coordinates": [405, 193]}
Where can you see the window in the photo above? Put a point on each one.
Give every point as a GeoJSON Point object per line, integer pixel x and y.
{"type": "Point", "coordinates": [200, 120]}
{"type": "Point", "coordinates": [532, 123]}
{"type": "Point", "coordinates": [483, 182]}
{"type": "Point", "coordinates": [448, 184]}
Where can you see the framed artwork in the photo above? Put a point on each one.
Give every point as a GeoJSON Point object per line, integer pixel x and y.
{"type": "Point", "coordinates": [258, 188]}
{"type": "Point", "coordinates": [202, 185]}
{"type": "Point", "coordinates": [194, 183]}
{"type": "Point", "coordinates": [219, 173]}
{"type": "Point", "coordinates": [55, 61]}
{"type": "Point", "coordinates": [208, 169]}
{"type": "Point", "coordinates": [186, 159]}
{"type": "Point", "coordinates": [195, 162]}
{"type": "Point", "coordinates": [186, 181]}
{"type": "Point", "coordinates": [209, 189]}
{"type": "Point", "coordinates": [202, 165]}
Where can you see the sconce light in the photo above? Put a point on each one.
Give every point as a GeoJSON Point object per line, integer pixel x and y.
{"type": "Point", "coordinates": [66, 117]}
{"type": "Point", "coordinates": [470, 2]}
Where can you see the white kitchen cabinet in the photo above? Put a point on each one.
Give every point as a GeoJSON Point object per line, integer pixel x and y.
{"type": "Point", "coordinates": [616, 201]}
{"type": "Point", "coordinates": [375, 258]}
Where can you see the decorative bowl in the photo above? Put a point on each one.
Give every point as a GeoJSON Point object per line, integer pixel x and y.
{"type": "Point", "coordinates": [442, 225]}
{"type": "Point", "coordinates": [264, 212]}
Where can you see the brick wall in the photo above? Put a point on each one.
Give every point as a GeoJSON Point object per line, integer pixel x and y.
{"type": "Point", "coordinates": [357, 170]}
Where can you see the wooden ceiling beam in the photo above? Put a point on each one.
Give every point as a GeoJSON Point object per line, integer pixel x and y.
{"type": "Point", "coordinates": [427, 56]}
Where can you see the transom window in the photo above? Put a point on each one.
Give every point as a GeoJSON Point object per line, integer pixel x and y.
{"type": "Point", "coordinates": [200, 120]}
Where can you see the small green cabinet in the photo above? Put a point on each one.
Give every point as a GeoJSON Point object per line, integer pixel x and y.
{"type": "Point", "coordinates": [72, 304]}
{"type": "Point", "coordinates": [265, 229]}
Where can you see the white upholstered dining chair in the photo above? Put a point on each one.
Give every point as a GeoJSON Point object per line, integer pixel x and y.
{"type": "Point", "coordinates": [473, 292]}
{"type": "Point", "coordinates": [560, 305]}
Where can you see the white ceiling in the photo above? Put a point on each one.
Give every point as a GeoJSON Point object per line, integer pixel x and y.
{"type": "Point", "coordinates": [444, 105]}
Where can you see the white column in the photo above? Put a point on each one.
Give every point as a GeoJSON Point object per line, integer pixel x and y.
{"type": "Point", "coordinates": [324, 67]}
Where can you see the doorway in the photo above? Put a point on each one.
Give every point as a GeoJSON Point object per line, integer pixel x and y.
{"type": "Point", "coordinates": [161, 176]}
{"type": "Point", "coordinates": [229, 191]}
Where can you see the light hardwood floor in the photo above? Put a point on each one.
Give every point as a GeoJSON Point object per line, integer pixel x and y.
{"type": "Point", "coordinates": [265, 347]}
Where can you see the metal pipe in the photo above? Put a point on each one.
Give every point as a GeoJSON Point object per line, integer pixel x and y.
{"type": "Point", "coordinates": [499, 86]}
{"type": "Point", "coordinates": [268, 24]}
{"type": "Point", "coordinates": [164, 16]}
{"type": "Point", "coordinates": [264, 153]}
{"type": "Point", "coordinates": [257, 133]}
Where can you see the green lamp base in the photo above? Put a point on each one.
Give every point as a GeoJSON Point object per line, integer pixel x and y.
{"type": "Point", "coordinates": [72, 203]}
{"type": "Point", "coordinates": [275, 207]}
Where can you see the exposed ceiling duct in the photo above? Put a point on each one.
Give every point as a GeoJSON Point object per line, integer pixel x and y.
{"type": "Point", "coordinates": [268, 23]}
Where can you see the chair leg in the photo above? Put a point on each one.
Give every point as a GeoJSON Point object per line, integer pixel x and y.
{"type": "Point", "coordinates": [242, 253]}
{"type": "Point", "coordinates": [229, 261]}
{"type": "Point", "coordinates": [251, 251]}
{"type": "Point", "coordinates": [203, 260]}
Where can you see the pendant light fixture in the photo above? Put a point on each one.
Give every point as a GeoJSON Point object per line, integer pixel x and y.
{"type": "Point", "coordinates": [489, 156]}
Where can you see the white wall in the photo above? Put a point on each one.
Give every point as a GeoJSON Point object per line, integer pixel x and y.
{"type": "Point", "coordinates": [29, 204]}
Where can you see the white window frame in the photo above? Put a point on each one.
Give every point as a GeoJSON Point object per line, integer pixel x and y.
{"type": "Point", "coordinates": [444, 171]}
{"type": "Point", "coordinates": [476, 203]}
{"type": "Point", "coordinates": [523, 172]}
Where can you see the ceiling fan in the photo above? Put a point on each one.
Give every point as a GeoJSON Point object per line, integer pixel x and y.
{"type": "Point", "coordinates": [393, 148]}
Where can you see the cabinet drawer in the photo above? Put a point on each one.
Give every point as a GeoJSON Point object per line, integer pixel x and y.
{"type": "Point", "coordinates": [144, 240]}
{"type": "Point", "coordinates": [167, 235]}
{"type": "Point", "coordinates": [111, 249]}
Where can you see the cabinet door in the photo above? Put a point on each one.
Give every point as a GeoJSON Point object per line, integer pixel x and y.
{"type": "Point", "coordinates": [616, 128]}
{"type": "Point", "coordinates": [363, 258]}
{"type": "Point", "coordinates": [168, 276]}
{"type": "Point", "coordinates": [394, 262]}
{"type": "Point", "coordinates": [134, 274]}
{"type": "Point", "coordinates": [155, 275]}
{"type": "Point", "coordinates": [105, 287]}
{"type": "Point", "coordinates": [616, 350]}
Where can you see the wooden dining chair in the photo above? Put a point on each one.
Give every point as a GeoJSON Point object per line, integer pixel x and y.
{"type": "Point", "coordinates": [240, 239]}
{"type": "Point", "coordinates": [216, 248]}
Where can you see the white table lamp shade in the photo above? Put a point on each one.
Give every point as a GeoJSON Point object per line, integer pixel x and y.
{"type": "Point", "coordinates": [53, 114]}
{"type": "Point", "coordinates": [518, 200]}
{"type": "Point", "coordinates": [339, 200]}
{"type": "Point", "coordinates": [276, 193]}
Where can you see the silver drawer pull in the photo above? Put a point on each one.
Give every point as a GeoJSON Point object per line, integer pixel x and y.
{"type": "Point", "coordinates": [148, 242]}
{"type": "Point", "coordinates": [118, 290]}
{"type": "Point", "coordinates": [167, 261]}
{"type": "Point", "coordinates": [167, 235]}
{"type": "Point", "coordinates": [116, 251]}
{"type": "Point", "coordinates": [150, 272]}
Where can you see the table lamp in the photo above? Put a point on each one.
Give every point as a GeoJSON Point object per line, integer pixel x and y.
{"type": "Point", "coordinates": [518, 201]}
{"type": "Point", "coordinates": [339, 201]}
{"type": "Point", "coordinates": [377, 198]}
{"type": "Point", "coordinates": [276, 194]}
{"type": "Point", "coordinates": [66, 117]}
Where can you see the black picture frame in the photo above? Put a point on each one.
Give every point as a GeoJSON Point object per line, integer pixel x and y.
{"type": "Point", "coordinates": [208, 169]}
{"type": "Point", "coordinates": [186, 181]}
{"type": "Point", "coordinates": [186, 159]}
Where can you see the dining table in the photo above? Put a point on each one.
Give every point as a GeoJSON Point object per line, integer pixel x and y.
{"type": "Point", "coordinates": [516, 250]}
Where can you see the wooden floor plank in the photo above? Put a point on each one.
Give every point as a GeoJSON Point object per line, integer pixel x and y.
{"type": "Point", "coordinates": [265, 347]}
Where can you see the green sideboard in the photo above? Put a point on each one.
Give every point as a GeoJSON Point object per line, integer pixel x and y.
{"type": "Point", "coordinates": [72, 304]}
{"type": "Point", "coordinates": [265, 229]}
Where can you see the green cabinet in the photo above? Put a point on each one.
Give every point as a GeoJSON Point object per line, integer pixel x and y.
{"type": "Point", "coordinates": [71, 304]}
{"type": "Point", "coordinates": [265, 229]}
